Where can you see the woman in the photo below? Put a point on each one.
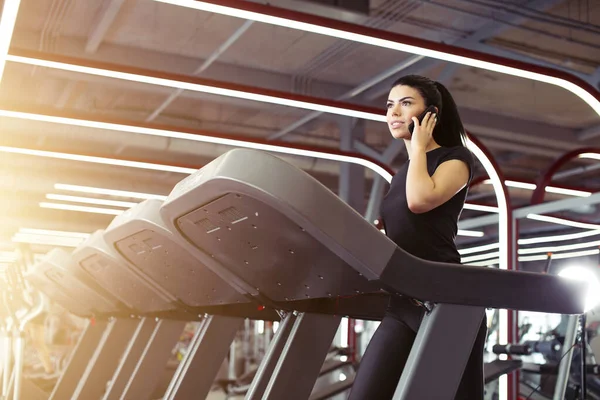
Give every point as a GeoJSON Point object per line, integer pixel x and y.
{"type": "Point", "coordinates": [420, 213]}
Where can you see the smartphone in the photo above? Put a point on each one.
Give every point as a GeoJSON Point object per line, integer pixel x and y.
{"type": "Point", "coordinates": [431, 109]}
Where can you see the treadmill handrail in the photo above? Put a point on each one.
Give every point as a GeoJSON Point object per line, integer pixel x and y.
{"type": "Point", "coordinates": [480, 286]}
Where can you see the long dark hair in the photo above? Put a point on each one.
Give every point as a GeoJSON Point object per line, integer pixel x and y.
{"type": "Point", "coordinates": [449, 130]}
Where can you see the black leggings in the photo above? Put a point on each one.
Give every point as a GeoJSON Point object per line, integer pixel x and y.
{"type": "Point", "coordinates": [388, 350]}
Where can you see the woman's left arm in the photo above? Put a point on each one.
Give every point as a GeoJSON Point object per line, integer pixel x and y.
{"type": "Point", "coordinates": [424, 192]}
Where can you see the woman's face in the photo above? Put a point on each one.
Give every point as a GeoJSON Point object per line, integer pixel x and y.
{"type": "Point", "coordinates": [404, 102]}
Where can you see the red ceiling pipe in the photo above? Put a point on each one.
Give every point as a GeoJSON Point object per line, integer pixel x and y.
{"type": "Point", "coordinates": [544, 180]}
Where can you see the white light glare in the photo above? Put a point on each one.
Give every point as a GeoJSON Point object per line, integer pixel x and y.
{"type": "Point", "coordinates": [562, 221]}
{"type": "Point", "coordinates": [108, 192]}
{"type": "Point", "coordinates": [478, 249]}
{"type": "Point", "coordinates": [520, 185]}
{"type": "Point", "coordinates": [559, 238]}
{"type": "Point", "coordinates": [592, 298]}
{"type": "Point", "coordinates": [343, 377]}
{"type": "Point", "coordinates": [260, 327]}
{"type": "Point", "coordinates": [47, 240]}
{"type": "Point", "coordinates": [464, 232]}
{"type": "Point", "coordinates": [568, 192]}
{"type": "Point", "coordinates": [478, 207]}
{"type": "Point", "coordinates": [7, 27]}
{"type": "Point", "coordinates": [88, 200]}
{"type": "Point", "coordinates": [70, 207]}
{"type": "Point", "coordinates": [344, 332]}
{"type": "Point", "coordinates": [541, 257]}
{"type": "Point", "coordinates": [573, 254]}
{"type": "Point", "coordinates": [480, 257]}
{"type": "Point", "coordinates": [67, 234]}
{"type": "Point", "coordinates": [548, 189]}
{"type": "Point", "coordinates": [555, 249]}
{"type": "Point", "coordinates": [8, 256]}
{"type": "Point", "coordinates": [593, 156]}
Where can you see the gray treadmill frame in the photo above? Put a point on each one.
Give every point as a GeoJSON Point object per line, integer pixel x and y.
{"type": "Point", "coordinates": [371, 254]}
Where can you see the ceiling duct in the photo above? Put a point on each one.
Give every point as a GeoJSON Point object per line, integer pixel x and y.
{"type": "Point", "coordinates": [360, 6]}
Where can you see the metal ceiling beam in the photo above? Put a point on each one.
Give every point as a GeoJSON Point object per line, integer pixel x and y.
{"type": "Point", "coordinates": [486, 31]}
{"type": "Point", "coordinates": [314, 8]}
{"type": "Point", "coordinates": [518, 130]}
{"type": "Point", "coordinates": [544, 208]}
{"type": "Point", "coordinates": [350, 94]}
{"type": "Point", "coordinates": [205, 65]}
{"type": "Point", "coordinates": [108, 14]}
{"type": "Point", "coordinates": [174, 63]}
{"type": "Point", "coordinates": [589, 133]}
{"type": "Point", "coordinates": [496, 51]}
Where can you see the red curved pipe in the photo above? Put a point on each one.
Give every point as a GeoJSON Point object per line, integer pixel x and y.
{"type": "Point", "coordinates": [544, 180]}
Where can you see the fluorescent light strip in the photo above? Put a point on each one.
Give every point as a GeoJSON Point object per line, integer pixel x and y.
{"type": "Point", "coordinates": [544, 239]}
{"type": "Point", "coordinates": [593, 156]}
{"type": "Point", "coordinates": [91, 159]}
{"type": "Point", "coordinates": [172, 134]}
{"type": "Point", "coordinates": [7, 27]}
{"type": "Point", "coordinates": [567, 192]}
{"type": "Point", "coordinates": [562, 221]}
{"type": "Point", "coordinates": [484, 263]}
{"type": "Point", "coordinates": [534, 250]}
{"type": "Point", "coordinates": [554, 249]}
{"type": "Point", "coordinates": [487, 263]}
{"type": "Point", "coordinates": [70, 207]}
{"type": "Point", "coordinates": [108, 192]}
{"type": "Point", "coordinates": [520, 185]}
{"type": "Point", "coordinates": [480, 257]}
{"type": "Point", "coordinates": [47, 240]}
{"type": "Point", "coordinates": [558, 238]}
{"type": "Point", "coordinates": [388, 44]}
{"type": "Point", "coordinates": [515, 184]}
{"type": "Point", "coordinates": [47, 232]}
{"type": "Point", "coordinates": [10, 255]}
{"type": "Point", "coordinates": [194, 87]}
{"type": "Point", "coordinates": [464, 232]}
{"type": "Point", "coordinates": [548, 189]}
{"type": "Point", "coordinates": [478, 207]}
{"type": "Point", "coordinates": [478, 249]}
{"type": "Point", "coordinates": [344, 332]}
{"type": "Point", "coordinates": [89, 200]}
{"type": "Point", "coordinates": [560, 256]}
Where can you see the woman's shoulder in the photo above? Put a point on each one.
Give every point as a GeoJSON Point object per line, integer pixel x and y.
{"type": "Point", "coordinates": [461, 153]}
{"type": "Point", "coordinates": [455, 152]}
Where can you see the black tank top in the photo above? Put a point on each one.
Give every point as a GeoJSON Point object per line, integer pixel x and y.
{"type": "Point", "coordinates": [428, 235]}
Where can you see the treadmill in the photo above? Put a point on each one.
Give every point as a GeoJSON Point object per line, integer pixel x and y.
{"type": "Point", "coordinates": [279, 231]}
